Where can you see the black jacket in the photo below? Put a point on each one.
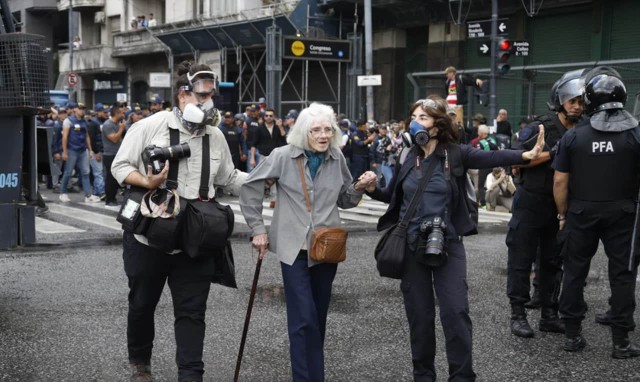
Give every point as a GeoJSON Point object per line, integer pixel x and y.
{"type": "Point", "coordinates": [462, 81]}
{"type": "Point", "coordinates": [265, 142]}
{"type": "Point", "coordinates": [465, 158]}
{"type": "Point", "coordinates": [95, 134]}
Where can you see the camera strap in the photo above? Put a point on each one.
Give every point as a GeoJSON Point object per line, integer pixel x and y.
{"type": "Point", "coordinates": [172, 177]}
{"type": "Point", "coordinates": [206, 172]}
{"type": "Point", "coordinates": [418, 195]}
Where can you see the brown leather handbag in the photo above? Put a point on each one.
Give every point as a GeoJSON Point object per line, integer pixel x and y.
{"type": "Point", "coordinates": [328, 245]}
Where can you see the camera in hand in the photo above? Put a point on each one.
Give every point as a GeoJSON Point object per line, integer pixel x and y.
{"type": "Point", "coordinates": [155, 156]}
{"type": "Point", "coordinates": [434, 252]}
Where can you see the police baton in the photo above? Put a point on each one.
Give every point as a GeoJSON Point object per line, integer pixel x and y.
{"type": "Point", "coordinates": [634, 235]}
{"type": "Point", "coordinates": [248, 317]}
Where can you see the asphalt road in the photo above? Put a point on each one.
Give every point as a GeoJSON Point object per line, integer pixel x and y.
{"type": "Point", "coordinates": [63, 318]}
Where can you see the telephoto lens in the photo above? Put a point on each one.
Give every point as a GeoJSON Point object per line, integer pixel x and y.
{"type": "Point", "coordinates": [155, 156]}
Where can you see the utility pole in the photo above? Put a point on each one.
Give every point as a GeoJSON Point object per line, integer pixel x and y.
{"type": "Point", "coordinates": [71, 90]}
{"type": "Point", "coordinates": [368, 51]}
{"type": "Point", "coordinates": [493, 76]}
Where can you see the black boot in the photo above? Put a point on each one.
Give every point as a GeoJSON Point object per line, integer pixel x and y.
{"type": "Point", "coordinates": [535, 302]}
{"type": "Point", "coordinates": [550, 322]}
{"type": "Point", "coordinates": [622, 347]}
{"type": "Point", "coordinates": [519, 324]}
{"type": "Point", "coordinates": [574, 344]}
{"type": "Point", "coordinates": [603, 318]}
{"type": "Point", "coordinates": [625, 350]}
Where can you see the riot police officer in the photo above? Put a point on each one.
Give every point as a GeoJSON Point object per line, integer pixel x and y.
{"type": "Point", "coordinates": [534, 213]}
{"type": "Point", "coordinates": [595, 188]}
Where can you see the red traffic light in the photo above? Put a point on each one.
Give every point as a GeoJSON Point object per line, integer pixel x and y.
{"type": "Point", "coordinates": [505, 45]}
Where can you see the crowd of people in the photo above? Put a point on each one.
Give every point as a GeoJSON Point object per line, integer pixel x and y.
{"type": "Point", "coordinates": [421, 166]}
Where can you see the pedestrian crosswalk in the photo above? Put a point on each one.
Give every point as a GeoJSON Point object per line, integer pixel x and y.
{"type": "Point", "coordinates": [80, 217]}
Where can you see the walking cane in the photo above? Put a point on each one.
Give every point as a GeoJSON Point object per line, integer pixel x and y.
{"type": "Point", "coordinates": [248, 317]}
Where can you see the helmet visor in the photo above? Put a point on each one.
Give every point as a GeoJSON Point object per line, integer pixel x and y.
{"type": "Point", "coordinates": [570, 89]}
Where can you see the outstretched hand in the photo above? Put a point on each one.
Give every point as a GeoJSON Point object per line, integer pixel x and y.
{"type": "Point", "coordinates": [537, 149]}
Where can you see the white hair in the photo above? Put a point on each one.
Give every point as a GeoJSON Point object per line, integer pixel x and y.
{"type": "Point", "coordinates": [483, 129]}
{"type": "Point", "coordinates": [299, 134]}
{"type": "Point", "coordinates": [502, 111]}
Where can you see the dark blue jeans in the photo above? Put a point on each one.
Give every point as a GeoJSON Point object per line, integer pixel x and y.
{"type": "Point", "coordinates": [189, 281]}
{"type": "Point", "coordinates": [308, 293]}
{"type": "Point", "coordinates": [450, 285]}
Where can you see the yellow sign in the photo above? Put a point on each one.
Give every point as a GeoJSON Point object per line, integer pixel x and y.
{"type": "Point", "coordinates": [297, 48]}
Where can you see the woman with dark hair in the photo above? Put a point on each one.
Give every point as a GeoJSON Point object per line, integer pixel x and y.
{"type": "Point", "coordinates": [148, 265]}
{"type": "Point", "coordinates": [435, 258]}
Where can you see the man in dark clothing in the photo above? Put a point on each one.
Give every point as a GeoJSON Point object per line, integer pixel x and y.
{"type": "Point", "coordinates": [268, 136]}
{"type": "Point", "coordinates": [502, 124]}
{"type": "Point", "coordinates": [253, 123]}
{"type": "Point", "coordinates": [360, 154]}
{"type": "Point", "coordinates": [233, 133]}
{"type": "Point", "coordinates": [534, 220]}
{"type": "Point", "coordinates": [595, 189]}
{"type": "Point", "coordinates": [113, 131]}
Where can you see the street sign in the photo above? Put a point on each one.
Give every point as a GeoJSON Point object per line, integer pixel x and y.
{"type": "Point", "coordinates": [483, 49]}
{"type": "Point", "coordinates": [320, 50]}
{"type": "Point", "coordinates": [72, 79]}
{"type": "Point", "coordinates": [159, 80]}
{"type": "Point", "coordinates": [373, 80]}
{"type": "Point", "coordinates": [482, 28]}
{"type": "Point", "coordinates": [521, 48]}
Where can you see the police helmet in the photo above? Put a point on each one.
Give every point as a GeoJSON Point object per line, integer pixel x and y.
{"type": "Point", "coordinates": [570, 85]}
{"type": "Point", "coordinates": [604, 90]}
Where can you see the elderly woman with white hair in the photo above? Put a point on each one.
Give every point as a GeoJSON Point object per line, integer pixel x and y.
{"type": "Point", "coordinates": [313, 143]}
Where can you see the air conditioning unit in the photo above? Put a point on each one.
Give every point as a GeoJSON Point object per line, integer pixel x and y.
{"type": "Point", "coordinates": [99, 18]}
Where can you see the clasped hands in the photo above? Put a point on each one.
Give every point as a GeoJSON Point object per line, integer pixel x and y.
{"type": "Point", "coordinates": [367, 181]}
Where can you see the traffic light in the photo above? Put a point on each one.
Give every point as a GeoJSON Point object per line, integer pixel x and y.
{"type": "Point", "coordinates": [503, 56]}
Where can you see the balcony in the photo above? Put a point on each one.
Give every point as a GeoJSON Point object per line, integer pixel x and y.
{"type": "Point", "coordinates": [95, 59]}
{"type": "Point", "coordinates": [134, 43]}
{"type": "Point", "coordinates": [63, 5]}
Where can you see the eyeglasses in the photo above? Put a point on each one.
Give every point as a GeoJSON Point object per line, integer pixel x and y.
{"type": "Point", "coordinates": [317, 131]}
{"type": "Point", "coordinates": [427, 103]}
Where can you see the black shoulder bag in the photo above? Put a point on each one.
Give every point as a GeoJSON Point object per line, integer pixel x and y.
{"type": "Point", "coordinates": [207, 223]}
{"type": "Point", "coordinates": [390, 250]}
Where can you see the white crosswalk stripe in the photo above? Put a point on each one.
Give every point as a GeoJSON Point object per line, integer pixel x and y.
{"type": "Point", "coordinates": [368, 211]}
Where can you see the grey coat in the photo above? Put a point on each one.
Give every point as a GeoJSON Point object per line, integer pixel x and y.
{"type": "Point", "coordinates": [291, 224]}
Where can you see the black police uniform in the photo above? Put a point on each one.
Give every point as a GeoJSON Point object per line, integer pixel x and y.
{"type": "Point", "coordinates": [604, 168]}
{"type": "Point", "coordinates": [235, 140]}
{"type": "Point", "coordinates": [534, 221]}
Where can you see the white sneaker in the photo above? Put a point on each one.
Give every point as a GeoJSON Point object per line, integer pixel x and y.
{"type": "Point", "coordinates": [91, 199]}
{"type": "Point", "coordinates": [64, 198]}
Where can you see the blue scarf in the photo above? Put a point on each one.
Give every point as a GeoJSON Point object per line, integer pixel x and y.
{"type": "Point", "coordinates": [314, 162]}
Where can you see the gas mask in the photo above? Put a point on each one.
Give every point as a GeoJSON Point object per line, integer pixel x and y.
{"type": "Point", "coordinates": [192, 117]}
{"type": "Point", "coordinates": [419, 135]}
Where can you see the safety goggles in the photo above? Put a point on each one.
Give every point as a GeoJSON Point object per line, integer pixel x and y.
{"type": "Point", "coordinates": [204, 85]}
{"type": "Point", "coordinates": [427, 103]}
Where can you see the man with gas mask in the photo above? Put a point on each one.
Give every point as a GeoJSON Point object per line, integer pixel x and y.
{"type": "Point", "coordinates": [188, 132]}
{"type": "Point", "coordinates": [534, 221]}
{"type": "Point", "coordinates": [596, 189]}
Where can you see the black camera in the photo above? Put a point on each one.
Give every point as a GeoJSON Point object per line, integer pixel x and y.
{"type": "Point", "coordinates": [155, 156]}
{"type": "Point", "coordinates": [434, 247]}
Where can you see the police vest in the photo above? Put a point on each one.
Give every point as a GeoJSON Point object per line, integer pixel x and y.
{"type": "Point", "coordinates": [232, 135]}
{"type": "Point", "coordinates": [539, 179]}
{"type": "Point", "coordinates": [604, 166]}
{"type": "Point", "coordinates": [77, 140]}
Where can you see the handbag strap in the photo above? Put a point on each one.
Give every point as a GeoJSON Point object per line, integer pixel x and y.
{"type": "Point", "coordinates": [418, 195]}
{"type": "Point", "coordinates": [304, 185]}
{"type": "Point", "coordinates": [306, 194]}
